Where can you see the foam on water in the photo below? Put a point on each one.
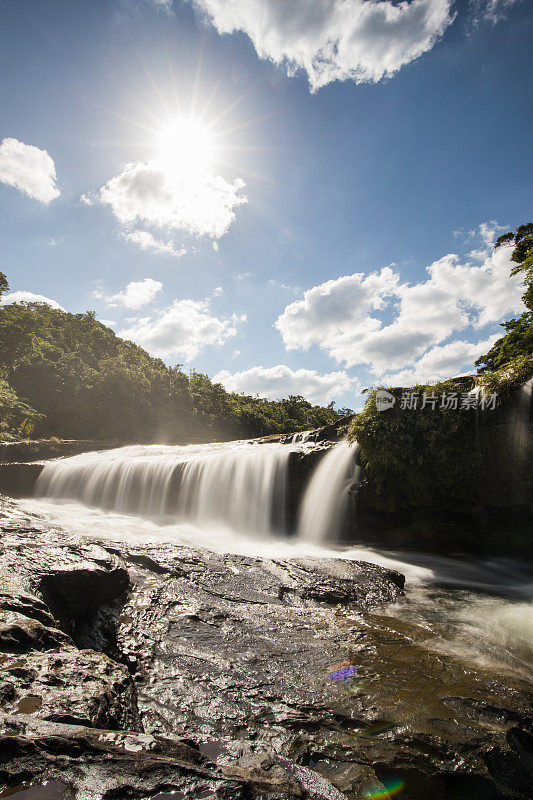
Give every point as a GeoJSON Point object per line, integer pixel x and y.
{"type": "Point", "coordinates": [237, 483]}
{"type": "Point", "coordinates": [230, 498]}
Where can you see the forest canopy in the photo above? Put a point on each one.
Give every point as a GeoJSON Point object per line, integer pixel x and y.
{"type": "Point", "coordinates": [69, 375]}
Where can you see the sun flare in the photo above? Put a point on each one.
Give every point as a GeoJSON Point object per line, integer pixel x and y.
{"type": "Point", "coordinates": [187, 145]}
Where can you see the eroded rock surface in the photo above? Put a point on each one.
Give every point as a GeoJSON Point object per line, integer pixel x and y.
{"type": "Point", "coordinates": [233, 677]}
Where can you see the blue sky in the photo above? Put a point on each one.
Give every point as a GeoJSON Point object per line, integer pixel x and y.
{"type": "Point", "coordinates": [263, 205]}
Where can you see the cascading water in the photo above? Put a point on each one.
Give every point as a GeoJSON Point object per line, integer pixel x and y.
{"type": "Point", "coordinates": [223, 497]}
{"type": "Point", "coordinates": [520, 421]}
{"type": "Point", "coordinates": [301, 437]}
{"type": "Point", "coordinates": [236, 483]}
{"type": "Point", "coordinates": [325, 502]}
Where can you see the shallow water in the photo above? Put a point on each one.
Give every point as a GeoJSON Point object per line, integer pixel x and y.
{"type": "Point", "coordinates": [479, 610]}
{"type": "Point", "coordinates": [229, 498]}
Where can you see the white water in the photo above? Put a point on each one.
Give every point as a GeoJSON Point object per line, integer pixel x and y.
{"type": "Point", "coordinates": [520, 424]}
{"type": "Point", "coordinates": [325, 502]}
{"type": "Point", "coordinates": [230, 498]}
{"type": "Point", "coordinates": [243, 485]}
{"type": "Point", "coordinates": [301, 437]}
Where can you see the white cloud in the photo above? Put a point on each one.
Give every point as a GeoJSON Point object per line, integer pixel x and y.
{"type": "Point", "coordinates": [28, 297]}
{"type": "Point", "coordinates": [358, 40]}
{"type": "Point", "coordinates": [218, 291]}
{"type": "Point", "coordinates": [183, 329]}
{"type": "Point", "coordinates": [340, 316]}
{"type": "Point", "coordinates": [28, 169]}
{"type": "Point", "coordinates": [281, 381]}
{"type": "Point", "coordinates": [442, 361]}
{"type": "Point", "coordinates": [147, 241]}
{"type": "Point", "coordinates": [492, 10]}
{"type": "Point", "coordinates": [487, 232]}
{"type": "Point", "coordinates": [136, 294]}
{"type": "Point", "coordinates": [170, 197]}
{"type": "Point", "coordinates": [490, 230]}
{"type": "Point", "coordinates": [336, 308]}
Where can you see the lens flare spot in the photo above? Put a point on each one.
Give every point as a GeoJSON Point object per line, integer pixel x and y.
{"type": "Point", "coordinates": [387, 789]}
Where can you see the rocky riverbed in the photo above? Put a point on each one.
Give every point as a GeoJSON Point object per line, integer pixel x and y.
{"type": "Point", "coordinates": [158, 670]}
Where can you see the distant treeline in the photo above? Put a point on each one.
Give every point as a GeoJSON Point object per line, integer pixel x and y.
{"type": "Point", "coordinates": [69, 375]}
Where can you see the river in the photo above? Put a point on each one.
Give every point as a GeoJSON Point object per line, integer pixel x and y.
{"type": "Point", "coordinates": [230, 498]}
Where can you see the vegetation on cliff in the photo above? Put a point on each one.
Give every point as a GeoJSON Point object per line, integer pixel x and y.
{"type": "Point", "coordinates": [70, 375]}
{"type": "Point", "coordinates": [518, 340]}
{"type": "Point", "coordinates": [447, 458]}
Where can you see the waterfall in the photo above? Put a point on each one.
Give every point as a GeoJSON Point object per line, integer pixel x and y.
{"type": "Point", "coordinates": [325, 502]}
{"type": "Point", "coordinates": [520, 422]}
{"type": "Point", "coordinates": [237, 483]}
{"type": "Point", "coordinates": [301, 437]}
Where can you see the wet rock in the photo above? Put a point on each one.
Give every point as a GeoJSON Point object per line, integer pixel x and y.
{"type": "Point", "coordinates": [75, 580]}
{"type": "Point", "coordinates": [240, 654]}
{"type": "Point", "coordinates": [42, 670]}
{"type": "Point", "coordinates": [39, 449]}
{"type": "Point", "coordinates": [19, 479]}
{"type": "Point", "coordinates": [122, 765]}
{"type": "Point", "coordinates": [18, 634]}
{"type": "Point", "coordinates": [252, 678]}
{"type": "Point", "coordinates": [81, 687]}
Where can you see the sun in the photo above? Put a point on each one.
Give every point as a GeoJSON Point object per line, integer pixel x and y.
{"type": "Point", "coordinates": [187, 145]}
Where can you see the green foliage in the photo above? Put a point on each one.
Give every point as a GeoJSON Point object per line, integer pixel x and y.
{"type": "Point", "coordinates": [88, 383]}
{"type": "Point", "coordinates": [518, 340]}
{"type": "Point", "coordinates": [443, 457]}
{"type": "Point", "coordinates": [522, 255]}
{"type": "Point", "coordinates": [507, 380]}
{"type": "Point", "coordinates": [16, 417]}
{"type": "Point", "coordinates": [4, 285]}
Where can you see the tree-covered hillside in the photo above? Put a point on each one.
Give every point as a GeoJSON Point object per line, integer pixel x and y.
{"type": "Point", "coordinates": [71, 376]}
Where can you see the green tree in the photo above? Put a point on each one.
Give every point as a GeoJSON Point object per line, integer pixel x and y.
{"type": "Point", "coordinates": [86, 382]}
{"type": "Point", "coordinates": [518, 340]}
{"type": "Point", "coordinates": [522, 255]}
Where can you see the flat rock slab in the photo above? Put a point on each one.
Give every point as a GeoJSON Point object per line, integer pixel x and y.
{"type": "Point", "coordinates": [74, 579]}
{"type": "Point", "coordinates": [240, 677]}
{"type": "Point", "coordinates": [91, 764]}
{"type": "Point", "coordinates": [81, 687]}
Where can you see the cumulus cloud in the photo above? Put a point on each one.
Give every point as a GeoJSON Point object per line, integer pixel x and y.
{"type": "Point", "coordinates": [147, 241]}
{"type": "Point", "coordinates": [358, 40]}
{"type": "Point", "coordinates": [136, 294]}
{"type": "Point", "coordinates": [277, 382]}
{"type": "Point", "coordinates": [28, 169]}
{"type": "Point", "coordinates": [183, 329]}
{"type": "Point", "coordinates": [343, 316]}
{"type": "Point", "coordinates": [442, 361]}
{"type": "Point", "coordinates": [28, 297]}
{"type": "Point", "coordinates": [169, 197]}
{"type": "Point", "coordinates": [334, 310]}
